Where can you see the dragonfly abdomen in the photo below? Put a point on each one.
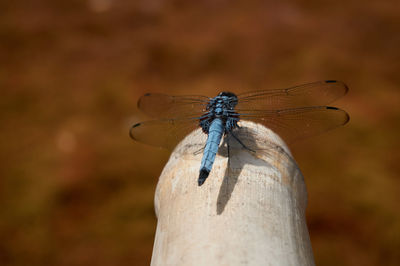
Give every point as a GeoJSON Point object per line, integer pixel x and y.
{"type": "Point", "coordinates": [213, 140]}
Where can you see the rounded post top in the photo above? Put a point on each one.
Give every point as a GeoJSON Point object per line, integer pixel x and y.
{"type": "Point", "coordinates": [250, 211]}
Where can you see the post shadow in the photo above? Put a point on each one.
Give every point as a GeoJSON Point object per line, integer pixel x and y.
{"type": "Point", "coordinates": [239, 157]}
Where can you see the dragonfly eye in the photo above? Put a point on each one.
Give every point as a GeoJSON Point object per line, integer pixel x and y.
{"type": "Point", "coordinates": [228, 94]}
{"type": "Point", "coordinates": [232, 98]}
{"type": "Point", "coordinates": [233, 101]}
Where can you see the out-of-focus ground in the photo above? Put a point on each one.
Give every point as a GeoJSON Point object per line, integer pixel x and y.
{"type": "Point", "coordinates": [76, 190]}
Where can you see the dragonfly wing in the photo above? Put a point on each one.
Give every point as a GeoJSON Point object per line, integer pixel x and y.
{"type": "Point", "coordinates": [298, 123]}
{"type": "Point", "coordinates": [165, 133]}
{"type": "Point", "coordinates": [311, 94]}
{"type": "Point", "coordinates": [166, 106]}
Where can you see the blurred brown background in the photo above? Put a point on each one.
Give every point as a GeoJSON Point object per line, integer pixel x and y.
{"type": "Point", "coordinates": [76, 190]}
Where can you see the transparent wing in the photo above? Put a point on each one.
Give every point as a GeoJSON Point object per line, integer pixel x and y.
{"type": "Point", "coordinates": [166, 106]}
{"type": "Point", "coordinates": [298, 123]}
{"type": "Point", "coordinates": [164, 133]}
{"type": "Point", "coordinates": [311, 94]}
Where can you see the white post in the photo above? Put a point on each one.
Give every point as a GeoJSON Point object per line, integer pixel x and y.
{"type": "Point", "coordinates": [252, 213]}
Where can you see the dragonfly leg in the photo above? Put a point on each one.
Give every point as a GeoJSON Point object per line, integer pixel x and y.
{"type": "Point", "coordinates": [227, 147]}
{"type": "Point", "coordinates": [241, 143]}
{"type": "Point", "coordinates": [229, 155]}
{"type": "Point", "coordinates": [199, 150]}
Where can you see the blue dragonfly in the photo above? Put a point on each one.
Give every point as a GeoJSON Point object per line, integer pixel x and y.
{"type": "Point", "coordinates": [293, 113]}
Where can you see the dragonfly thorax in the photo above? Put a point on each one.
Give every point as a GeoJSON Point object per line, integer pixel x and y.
{"type": "Point", "coordinates": [221, 107]}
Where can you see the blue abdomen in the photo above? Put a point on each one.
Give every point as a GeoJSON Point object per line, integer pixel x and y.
{"type": "Point", "coordinates": [213, 140]}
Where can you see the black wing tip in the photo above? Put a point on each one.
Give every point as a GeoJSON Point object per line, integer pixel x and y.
{"type": "Point", "coordinates": [338, 109]}
{"type": "Point", "coordinates": [338, 81]}
{"type": "Point", "coordinates": [332, 108]}
{"type": "Point", "coordinates": [130, 131]}
{"type": "Point", "coordinates": [330, 81]}
{"type": "Point", "coordinates": [139, 103]}
{"type": "Point", "coordinates": [203, 176]}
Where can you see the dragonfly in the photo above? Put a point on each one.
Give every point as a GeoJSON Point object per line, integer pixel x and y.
{"type": "Point", "coordinates": [293, 113]}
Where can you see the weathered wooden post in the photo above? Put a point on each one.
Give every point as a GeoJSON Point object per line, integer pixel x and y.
{"type": "Point", "coordinates": [250, 213]}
